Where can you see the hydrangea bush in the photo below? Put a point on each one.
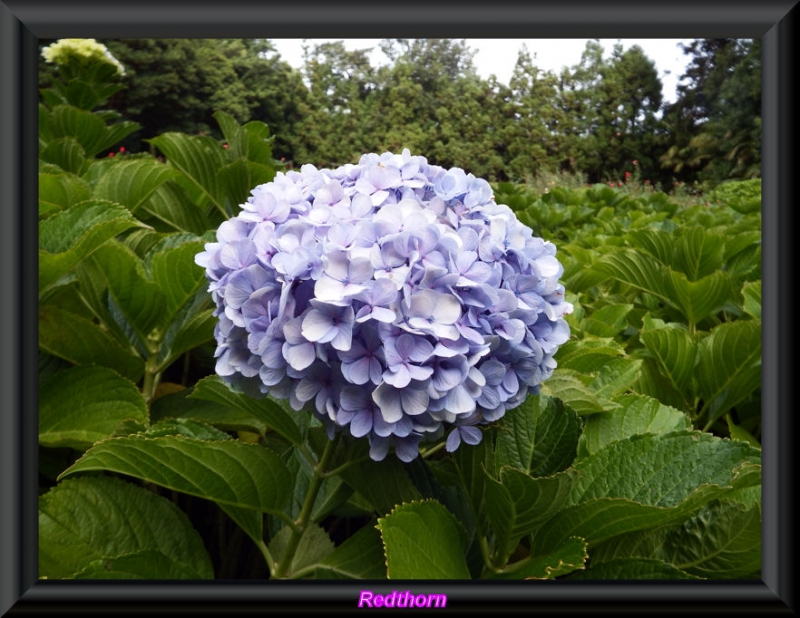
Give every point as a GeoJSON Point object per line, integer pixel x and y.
{"type": "Point", "coordinates": [394, 297]}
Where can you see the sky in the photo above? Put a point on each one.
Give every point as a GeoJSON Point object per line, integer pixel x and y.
{"type": "Point", "coordinates": [498, 56]}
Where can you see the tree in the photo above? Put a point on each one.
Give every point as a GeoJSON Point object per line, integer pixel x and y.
{"type": "Point", "coordinates": [432, 102]}
{"type": "Point", "coordinates": [715, 125]}
{"type": "Point", "coordinates": [615, 103]}
{"type": "Point", "coordinates": [178, 84]}
{"type": "Point", "coordinates": [534, 134]}
{"type": "Point", "coordinates": [334, 125]}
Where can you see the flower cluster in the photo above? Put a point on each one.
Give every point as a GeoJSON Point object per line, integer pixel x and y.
{"type": "Point", "coordinates": [393, 297]}
{"type": "Point", "coordinates": [81, 51]}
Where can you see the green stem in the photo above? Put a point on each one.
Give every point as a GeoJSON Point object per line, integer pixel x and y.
{"type": "Point", "coordinates": [151, 378]}
{"type": "Point", "coordinates": [300, 573]}
{"type": "Point", "coordinates": [428, 452]}
{"type": "Point", "coordinates": [262, 546]}
{"type": "Point", "coordinates": [515, 566]}
{"type": "Point", "coordinates": [489, 568]}
{"type": "Point", "coordinates": [152, 372]}
{"type": "Point", "coordinates": [282, 569]}
{"type": "Point", "coordinates": [344, 467]}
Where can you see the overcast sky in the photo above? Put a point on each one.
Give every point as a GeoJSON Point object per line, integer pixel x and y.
{"type": "Point", "coordinates": [498, 56]}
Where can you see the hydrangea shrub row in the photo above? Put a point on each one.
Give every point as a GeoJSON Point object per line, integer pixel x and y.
{"type": "Point", "coordinates": [394, 298]}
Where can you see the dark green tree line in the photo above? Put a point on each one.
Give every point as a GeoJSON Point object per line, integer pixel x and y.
{"type": "Point", "coordinates": [715, 125]}
{"type": "Point", "coordinates": [603, 117]}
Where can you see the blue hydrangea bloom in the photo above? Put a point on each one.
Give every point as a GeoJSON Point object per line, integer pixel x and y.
{"type": "Point", "coordinates": [394, 299]}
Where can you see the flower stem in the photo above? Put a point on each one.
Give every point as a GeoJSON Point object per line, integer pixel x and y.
{"type": "Point", "coordinates": [428, 452]}
{"type": "Point", "coordinates": [304, 519]}
{"type": "Point", "coordinates": [152, 370]}
{"type": "Point", "coordinates": [344, 467]}
{"type": "Point", "coordinates": [151, 378]}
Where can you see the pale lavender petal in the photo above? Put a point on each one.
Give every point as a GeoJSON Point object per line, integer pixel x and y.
{"type": "Point", "coordinates": [415, 400]}
{"type": "Point", "coordinates": [453, 441]}
{"type": "Point", "coordinates": [406, 449]}
{"type": "Point", "coordinates": [398, 376]}
{"type": "Point", "coordinates": [470, 435]}
{"type": "Point", "coordinates": [318, 326]}
{"type": "Point", "coordinates": [299, 356]}
{"type": "Point", "coordinates": [361, 424]}
{"type": "Point", "coordinates": [387, 398]}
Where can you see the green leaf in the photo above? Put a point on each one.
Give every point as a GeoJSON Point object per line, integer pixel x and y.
{"type": "Point", "coordinates": [81, 405]}
{"type": "Point", "coordinates": [66, 153]}
{"type": "Point", "coordinates": [131, 182]}
{"type": "Point", "coordinates": [145, 564]}
{"type": "Point", "coordinates": [250, 141]}
{"type": "Point", "coordinates": [607, 321]}
{"type": "Point", "coordinates": [571, 556]}
{"type": "Point", "coordinates": [173, 270]}
{"type": "Point", "coordinates": [568, 386]}
{"type": "Point", "coordinates": [314, 546]}
{"type": "Point", "coordinates": [70, 236]}
{"type": "Point", "coordinates": [654, 383]}
{"type": "Point", "coordinates": [632, 568]}
{"type": "Point", "coordinates": [88, 128]}
{"type": "Point", "coordinates": [699, 299]}
{"type": "Point", "coordinates": [62, 190]}
{"type": "Point", "coordinates": [265, 410]}
{"type": "Point", "coordinates": [472, 468]}
{"type": "Point", "coordinates": [729, 369]}
{"type": "Point", "coordinates": [615, 377]}
{"type": "Point", "coordinates": [170, 204]}
{"type": "Point", "coordinates": [519, 504]}
{"type": "Point", "coordinates": [250, 521]}
{"type": "Point", "coordinates": [332, 492]}
{"type": "Point", "coordinates": [82, 342]}
{"type": "Point", "coordinates": [698, 252]}
{"type": "Point", "coordinates": [540, 438]}
{"type": "Point", "coordinates": [186, 427]}
{"type": "Point", "coordinates": [199, 158]}
{"type": "Point", "coordinates": [234, 134]}
{"type": "Point", "coordinates": [649, 480]}
{"type": "Point", "coordinates": [47, 209]}
{"type": "Point", "coordinates": [382, 483]}
{"type": "Point", "coordinates": [92, 518]}
{"type": "Point", "coordinates": [639, 270]}
{"type": "Point", "coordinates": [740, 433]}
{"type": "Point", "coordinates": [751, 291]}
{"type": "Point", "coordinates": [661, 469]}
{"type": "Point", "coordinates": [259, 149]}
{"type": "Point", "coordinates": [189, 329]}
{"type": "Point", "coordinates": [359, 557]}
{"type": "Point", "coordinates": [234, 181]}
{"type": "Point", "coordinates": [674, 349]}
{"type": "Point", "coordinates": [588, 354]}
{"type": "Point", "coordinates": [721, 541]}
{"type": "Point", "coordinates": [180, 406]}
{"type": "Point", "coordinates": [92, 288]}
{"type": "Point", "coordinates": [638, 414]}
{"type": "Point", "coordinates": [139, 300]}
{"type": "Point", "coordinates": [228, 472]}
{"type": "Point", "coordinates": [423, 540]}
{"type": "Point", "coordinates": [658, 243]}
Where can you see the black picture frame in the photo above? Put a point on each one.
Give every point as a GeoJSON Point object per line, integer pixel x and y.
{"type": "Point", "coordinates": [24, 22]}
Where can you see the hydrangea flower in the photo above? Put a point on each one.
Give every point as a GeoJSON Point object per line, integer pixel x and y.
{"type": "Point", "coordinates": [394, 299]}
{"type": "Point", "coordinates": [82, 51]}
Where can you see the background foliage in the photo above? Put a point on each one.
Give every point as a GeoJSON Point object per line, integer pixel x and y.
{"type": "Point", "coordinates": [593, 119]}
{"type": "Point", "coordinates": [640, 458]}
